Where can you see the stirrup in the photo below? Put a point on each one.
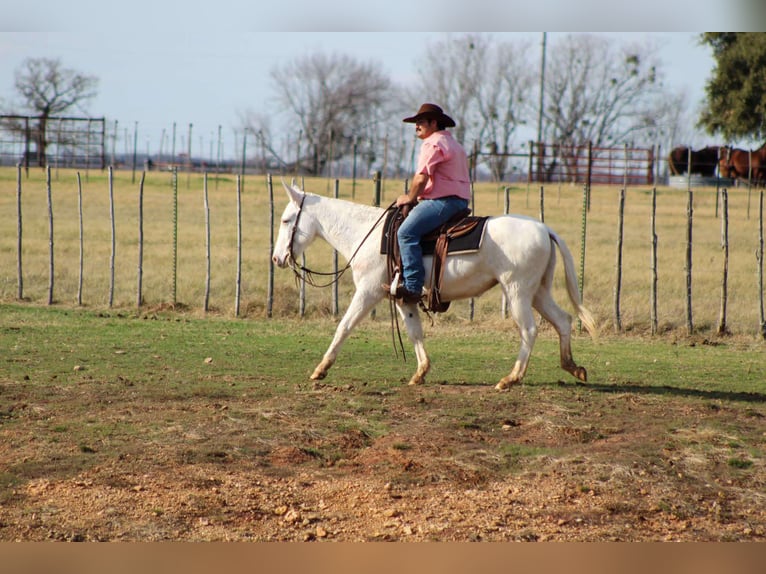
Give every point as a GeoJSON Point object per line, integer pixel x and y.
{"type": "Point", "coordinates": [394, 284]}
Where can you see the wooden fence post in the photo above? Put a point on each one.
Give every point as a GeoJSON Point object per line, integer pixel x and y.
{"type": "Point", "coordinates": [303, 272]}
{"type": "Point", "coordinates": [584, 226]}
{"type": "Point", "coordinates": [139, 288]}
{"type": "Point", "coordinates": [722, 330]}
{"type": "Point", "coordinates": [589, 176]}
{"type": "Point", "coordinates": [175, 233]}
{"type": "Point", "coordinates": [689, 165]}
{"type": "Point", "coordinates": [238, 286]}
{"type": "Point", "coordinates": [335, 304]}
{"type": "Point", "coordinates": [80, 277]}
{"type": "Point", "coordinates": [689, 227]}
{"type": "Point", "coordinates": [206, 206]}
{"type": "Point", "coordinates": [270, 287]}
{"type": "Point", "coordinates": [749, 179]}
{"type": "Point", "coordinates": [506, 211]}
{"type": "Point", "coordinates": [50, 233]}
{"type": "Point", "coordinates": [618, 279]}
{"type": "Point", "coordinates": [533, 153]}
{"type": "Point", "coordinates": [19, 267]}
{"type": "Point", "coordinates": [114, 237]}
{"type": "Point", "coordinates": [653, 295]}
{"type": "Point", "coordinates": [759, 255]}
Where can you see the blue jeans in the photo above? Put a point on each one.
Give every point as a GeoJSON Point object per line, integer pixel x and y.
{"type": "Point", "coordinates": [426, 216]}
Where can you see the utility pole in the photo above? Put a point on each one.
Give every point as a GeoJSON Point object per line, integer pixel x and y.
{"type": "Point", "coordinates": [539, 145]}
{"type": "Point", "coordinates": [542, 90]}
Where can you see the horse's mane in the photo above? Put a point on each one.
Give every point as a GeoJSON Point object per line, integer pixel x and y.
{"type": "Point", "coordinates": [370, 212]}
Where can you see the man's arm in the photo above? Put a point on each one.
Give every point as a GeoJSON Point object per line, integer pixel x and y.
{"type": "Point", "coordinates": [418, 185]}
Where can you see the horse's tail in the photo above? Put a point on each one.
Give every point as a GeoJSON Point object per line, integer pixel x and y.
{"type": "Point", "coordinates": [572, 289]}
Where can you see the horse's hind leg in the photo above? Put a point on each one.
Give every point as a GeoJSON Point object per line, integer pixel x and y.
{"type": "Point", "coordinates": [562, 322]}
{"type": "Point", "coordinates": [521, 311]}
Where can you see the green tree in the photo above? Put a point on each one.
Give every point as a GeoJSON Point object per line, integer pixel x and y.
{"type": "Point", "coordinates": [736, 92]}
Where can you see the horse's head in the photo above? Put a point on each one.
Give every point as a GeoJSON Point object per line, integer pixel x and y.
{"type": "Point", "coordinates": [295, 230]}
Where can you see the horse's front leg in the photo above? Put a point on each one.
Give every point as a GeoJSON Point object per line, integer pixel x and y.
{"type": "Point", "coordinates": [411, 317]}
{"type": "Point", "coordinates": [361, 304]}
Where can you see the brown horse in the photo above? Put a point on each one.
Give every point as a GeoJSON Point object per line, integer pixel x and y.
{"type": "Point", "coordinates": [742, 164]}
{"type": "Point", "coordinates": [703, 161]}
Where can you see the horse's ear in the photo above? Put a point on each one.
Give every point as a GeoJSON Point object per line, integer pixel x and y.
{"type": "Point", "coordinates": [293, 192]}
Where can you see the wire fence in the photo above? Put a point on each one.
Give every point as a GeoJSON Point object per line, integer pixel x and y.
{"type": "Point", "coordinates": [59, 239]}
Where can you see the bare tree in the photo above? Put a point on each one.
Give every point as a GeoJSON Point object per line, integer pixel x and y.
{"type": "Point", "coordinates": [598, 91]}
{"type": "Point", "coordinates": [333, 98]}
{"type": "Point", "coordinates": [48, 89]}
{"type": "Point", "coordinates": [484, 86]}
{"type": "Point", "coordinates": [601, 92]}
{"type": "Point", "coordinates": [452, 71]}
{"type": "Point", "coordinates": [502, 102]}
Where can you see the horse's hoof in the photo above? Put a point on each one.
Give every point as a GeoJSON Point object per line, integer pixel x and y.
{"type": "Point", "coordinates": [581, 374]}
{"type": "Point", "coordinates": [505, 385]}
{"type": "Point", "coordinates": [318, 375]}
{"type": "Point", "coordinates": [416, 381]}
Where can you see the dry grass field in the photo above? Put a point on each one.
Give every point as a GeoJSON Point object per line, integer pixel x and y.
{"type": "Point", "coordinates": [563, 210]}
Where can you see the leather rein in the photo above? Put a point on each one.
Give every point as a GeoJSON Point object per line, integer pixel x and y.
{"type": "Point", "coordinates": [308, 275]}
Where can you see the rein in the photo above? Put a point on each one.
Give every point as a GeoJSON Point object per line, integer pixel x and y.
{"type": "Point", "coordinates": [304, 273]}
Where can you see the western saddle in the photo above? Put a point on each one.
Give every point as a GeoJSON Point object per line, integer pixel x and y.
{"type": "Point", "coordinates": [436, 242]}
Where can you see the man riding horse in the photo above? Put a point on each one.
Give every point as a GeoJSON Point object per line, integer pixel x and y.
{"type": "Point", "coordinates": [440, 189]}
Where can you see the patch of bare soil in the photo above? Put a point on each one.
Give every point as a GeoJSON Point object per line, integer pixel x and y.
{"type": "Point", "coordinates": [417, 484]}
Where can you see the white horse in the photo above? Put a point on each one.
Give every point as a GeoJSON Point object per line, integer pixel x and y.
{"type": "Point", "coordinates": [517, 252]}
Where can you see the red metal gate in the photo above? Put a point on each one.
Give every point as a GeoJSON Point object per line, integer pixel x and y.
{"type": "Point", "coordinates": [586, 164]}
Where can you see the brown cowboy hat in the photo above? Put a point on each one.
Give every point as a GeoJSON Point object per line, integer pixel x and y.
{"type": "Point", "coordinates": [431, 112]}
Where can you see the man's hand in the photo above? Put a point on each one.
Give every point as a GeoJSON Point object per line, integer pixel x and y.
{"type": "Point", "coordinates": [418, 185]}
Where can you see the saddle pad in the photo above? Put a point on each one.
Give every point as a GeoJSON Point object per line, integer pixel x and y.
{"type": "Point", "coordinates": [468, 243]}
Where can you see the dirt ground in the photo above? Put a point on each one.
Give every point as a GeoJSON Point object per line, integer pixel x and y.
{"type": "Point", "coordinates": [412, 486]}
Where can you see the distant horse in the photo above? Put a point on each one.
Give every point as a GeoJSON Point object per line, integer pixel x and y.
{"type": "Point", "coordinates": [742, 164]}
{"type": "Point", "coordinates": [517, 252]}
{"type": "Point", "coordinates": [703, 162]}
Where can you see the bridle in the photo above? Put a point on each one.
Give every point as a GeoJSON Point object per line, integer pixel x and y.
{"type": "Point", "coordinates": [304, 273]}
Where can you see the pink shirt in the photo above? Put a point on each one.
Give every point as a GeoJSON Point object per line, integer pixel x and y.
{"type": "Point", "coordinates": [445, 162]}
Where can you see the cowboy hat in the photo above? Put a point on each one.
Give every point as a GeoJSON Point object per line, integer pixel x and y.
{"type": "Point", "coordinates": [431, 112]}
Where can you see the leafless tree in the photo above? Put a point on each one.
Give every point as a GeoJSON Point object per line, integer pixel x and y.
{"type": "Point", "coordinates": [484, 86]}
{"type": "Point", "coordinates": [503, 102]}
{"type": "Point", "coordinates": [451, 71]}
{"type": "Point", "coordinates": [673, 123]}
{"type": "Point", "coordinates": [599, 91]}
{"type": "Point", "coordinates": [48, 89]}
{"type": "Point", "coordinates": [332, 99]}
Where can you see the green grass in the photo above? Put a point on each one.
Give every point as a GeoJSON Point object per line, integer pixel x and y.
{"type": "Point", "coordinates": [93, 355]}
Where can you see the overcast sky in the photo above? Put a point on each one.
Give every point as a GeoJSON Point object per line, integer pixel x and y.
{"type": "Point", "coordinates": [210, 78]}
{"type": "Point", "coordinates": [205, 63]}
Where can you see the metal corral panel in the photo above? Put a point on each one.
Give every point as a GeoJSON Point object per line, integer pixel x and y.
{"type": "Point", "coordinates": [683, 182]}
